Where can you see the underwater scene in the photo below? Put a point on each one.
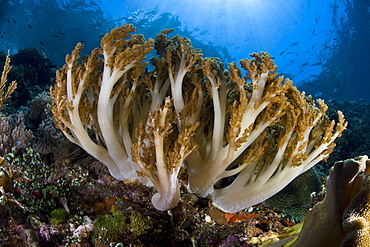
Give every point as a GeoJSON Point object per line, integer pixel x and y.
{"type": "Point", "coordinates": [184, 123]}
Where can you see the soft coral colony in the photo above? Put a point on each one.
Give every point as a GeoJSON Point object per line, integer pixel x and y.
{"type": "Point", "coordinates": [240, 137]}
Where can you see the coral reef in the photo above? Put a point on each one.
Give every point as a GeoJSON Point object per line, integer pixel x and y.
{"type": "Point", "coordinates": [54, 197]}
{"type": "Point", "coordinates": [13, 134]}
{"type": "Point", "coordinates": [48, 138]}
{"type": "Point", "coordinates": [43, 222]}
{"type": "Point", "coordinates": [43, 184]}
{"type": "Point", "coordinates": [242, 138]}
{"type": "Point", "coordinates": [295, 199]}
{"type": "Point", "coordinates": [40, 186]}
{"type": "Point", "coordinates": [39, 109]}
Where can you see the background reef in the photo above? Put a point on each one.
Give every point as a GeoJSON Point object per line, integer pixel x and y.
{"type": "Point", "coordinates": [53, 197]}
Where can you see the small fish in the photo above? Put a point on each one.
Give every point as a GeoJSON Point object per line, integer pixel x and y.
{"type": "Point", "coordinates": [313, 32]}
{"type": "Point", "coordinates": [313, 47]}
{"type": "Point", "coordinates": [29, 26]}
{"type": "Point", "coordinates": [304, 64]}
{"type": "Point", "coordinates": [15, 22]}
{"type": "Point", "coordinates": [281, 53]}
{"type": "Point", "coordinates": [61, 33]}
{"type": "Point", "coordinates": [101, 36]}
{"type": "Point", "coordinates": [41, 42]}
{"type": "Point", "coordinates": [316, 64]}
{"type": "Point", "coordinates": [294, 44]}
{"type": "Point", "coordinates": [56, 35]}
{"type": "Point", "coordinates": [8, 21]}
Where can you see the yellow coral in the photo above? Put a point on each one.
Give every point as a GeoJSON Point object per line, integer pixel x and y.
{"type": "Point", "coordinates": [5, 94]}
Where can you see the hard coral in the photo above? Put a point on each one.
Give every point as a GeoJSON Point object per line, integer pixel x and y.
{"type": "Point", "coordinates": [343, 217]}
{"type": "Point", "coordinates": [39, 108]}
{"type": "Point", "coordinates": [13, 134]}
{"type": "Point", "coordinates": [122, 227]}
{"type": "Point", "coordinates": [356, 220]}
{"type": "Point", "coordinates": [343, 184]}
{"type": "Point", "coordinates": [58, 216]}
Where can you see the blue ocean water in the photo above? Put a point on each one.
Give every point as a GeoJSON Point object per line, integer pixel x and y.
{"type": "Point", "coordinates": [323, 46]}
